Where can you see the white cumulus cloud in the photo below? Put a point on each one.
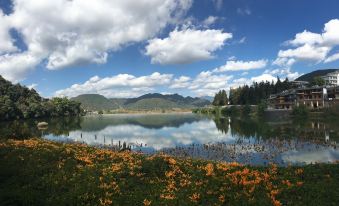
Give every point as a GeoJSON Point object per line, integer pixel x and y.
{"type": "Point", "coordinates": [234, 65]}
{"type": "Point", "coordinates": [186, 46]}
{"type": "Point", "coordinates": [207, 83]}
{"type": "Point", "coordinates": [121, 85]}
{"type": "Point", "coordinates": [7, 44]}
{"type": "Point", "coordinates": [332, 58]}
{"type": "Point", "coordinates": [309, 46]}
{"type": "Point", "coordinates": [209, 21]}
{"type": "Point", "coordinates": [181, 82]}
{"type": "Point", "coordinates": [65, 33]}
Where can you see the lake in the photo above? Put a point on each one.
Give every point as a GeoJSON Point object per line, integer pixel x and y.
{"type": "Point", "coordinates": [196, 136]}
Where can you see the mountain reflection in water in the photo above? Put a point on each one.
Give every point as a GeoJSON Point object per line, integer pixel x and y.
{"type": "Point", "coordinates": [190, 135]}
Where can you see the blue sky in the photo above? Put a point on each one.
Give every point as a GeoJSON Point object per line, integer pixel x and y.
{"type": "Point", "coordinates": [190, 47]}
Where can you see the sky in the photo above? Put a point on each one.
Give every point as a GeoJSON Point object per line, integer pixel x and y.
{"type": "Point", "coordinates": [126, 48]}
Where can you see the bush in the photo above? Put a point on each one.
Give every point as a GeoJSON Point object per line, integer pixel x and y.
{"type": "Point", "coordinates": [245, 110]}
{"type": "Point", "coordinates": [300, 111]}
{"type": "Point", "coordinates": [261, 108]}
{"type": "Point", "coordinates": [332, 111]}
{"type": "Point", "coordinates": [233, 110]}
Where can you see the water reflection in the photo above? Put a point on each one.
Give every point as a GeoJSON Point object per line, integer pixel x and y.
{"type": "Point", "coordinates": [190, 135]}
{"type": "Point", "coordinates": [23, 129]}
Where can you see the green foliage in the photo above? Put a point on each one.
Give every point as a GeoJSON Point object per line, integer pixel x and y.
{"type": "Point", "coordinates": [318, 81]}
{"type": "Point", "coordinates": [220, 98]}
{"type": "Point", "coordinates": [95, 102]}
{"type": "Point", "coordinates": [100, 112]}
{"type": "Point", "coordinates": [300, 111]}
{"type": "Point", "coordinates": [332, 111]}
{"type": "Point", "coordinates": [245, 110]}
{"type": "Point", "coordinates": [230, 111]}
{"type": "Point", "coordinates": [261, 108]}
{"type": "Point", "coordinates": [18, 102]}
{"type": "Point", "coordinates": [257, 92]}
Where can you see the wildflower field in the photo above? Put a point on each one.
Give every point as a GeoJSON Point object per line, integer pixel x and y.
{"type": "Point", "coordinates": [40, 172]}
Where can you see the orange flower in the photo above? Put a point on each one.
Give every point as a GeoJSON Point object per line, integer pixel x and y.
{"type": "Point", "coordinates": [105, 201]}
{"type": "Point", "coordinates": [276, 203]}
{"type": "Point", "coordinates": [299, 171]}
{"type": "Point", "coordinates": [287, 182]}
{"type": "Point", "coordinates": [172, 161]}
{"type": "Point", "coordinates": [195, 197]}
{"type": "Point", "coordinates": [169, 174]}
{"type": "Point", "coordinates": [209, 169]}
{"type": "Point", "coordinates": [147, 202]}
{"type": "Point", "coordinates": [221, 198]}
{"type": "Point", "coordinates": [167, 196]}
{"type": "Point", "coordinates": [300, 183]}
{"type": "Point", "coordinates": [234, 164]}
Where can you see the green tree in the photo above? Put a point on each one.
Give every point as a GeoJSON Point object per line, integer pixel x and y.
{"type": "Point", "coordinates": [318, 81]}
{"type": "Point", "coordinates": [246, 110]}
{"type": "Point", "coordinates": [220, 98]}
{"type": "Point", "coordinates": [17, 101]}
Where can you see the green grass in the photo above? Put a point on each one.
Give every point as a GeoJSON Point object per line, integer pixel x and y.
{"type": "Point", "coordinates": [39, 172]}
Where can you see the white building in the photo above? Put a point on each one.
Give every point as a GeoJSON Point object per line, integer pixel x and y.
{"type": "Point", "coordinates": [332, 78]}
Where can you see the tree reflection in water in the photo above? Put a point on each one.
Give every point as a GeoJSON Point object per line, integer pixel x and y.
{"type": "Point", "coordinates": [188, 135]}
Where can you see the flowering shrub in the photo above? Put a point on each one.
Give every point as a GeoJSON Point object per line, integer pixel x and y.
{"type": "Point", "coordinates": [40, 172]}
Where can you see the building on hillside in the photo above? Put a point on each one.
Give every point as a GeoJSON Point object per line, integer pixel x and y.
{"type": "Point", "coordinates": [312, 97]}
{"type": "Point", "coordinates": [299, 84]}
{"type": "Point", "coordinates": [332, 78]}
{"type": "Point", "coordinates": [332, 96]}
{"type": "Point", "coordinates": [283, 100]}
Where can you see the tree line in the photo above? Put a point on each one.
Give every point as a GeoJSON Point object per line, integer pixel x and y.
{"type": "Point", "coordinates": [253, 94]}
{"type": "Point", "coordinates": [20, 102]}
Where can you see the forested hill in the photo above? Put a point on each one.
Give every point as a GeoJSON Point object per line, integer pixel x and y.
{"type": "Point", "coordinates": [95, 102]}
{"type": "Point", "coordinates": [17, 102]}
{"type": "Point", "coordinates": [310, 76]}
{"type": "Point", "coordinates": [144, 102]}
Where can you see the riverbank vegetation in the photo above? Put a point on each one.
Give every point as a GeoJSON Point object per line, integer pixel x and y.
{"type": "Point", "coordinates": [231, 110]}
{"type": "Point", "coordinates": [20, 102]}
{"type": "Point", "coordinates": [39, 172]}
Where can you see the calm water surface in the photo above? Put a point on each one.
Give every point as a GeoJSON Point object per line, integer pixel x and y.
{"type": "Point", "coordinates": [190, 135]}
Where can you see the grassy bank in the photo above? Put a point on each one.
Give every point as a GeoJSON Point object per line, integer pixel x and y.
{"type": "Point", "coordinates": [38, 172]}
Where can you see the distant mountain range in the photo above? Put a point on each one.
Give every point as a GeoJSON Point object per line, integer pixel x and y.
{"type": "Point", "coordinates": [144, 102]}
{"type": "Point", "coordinates": [310, 76]}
